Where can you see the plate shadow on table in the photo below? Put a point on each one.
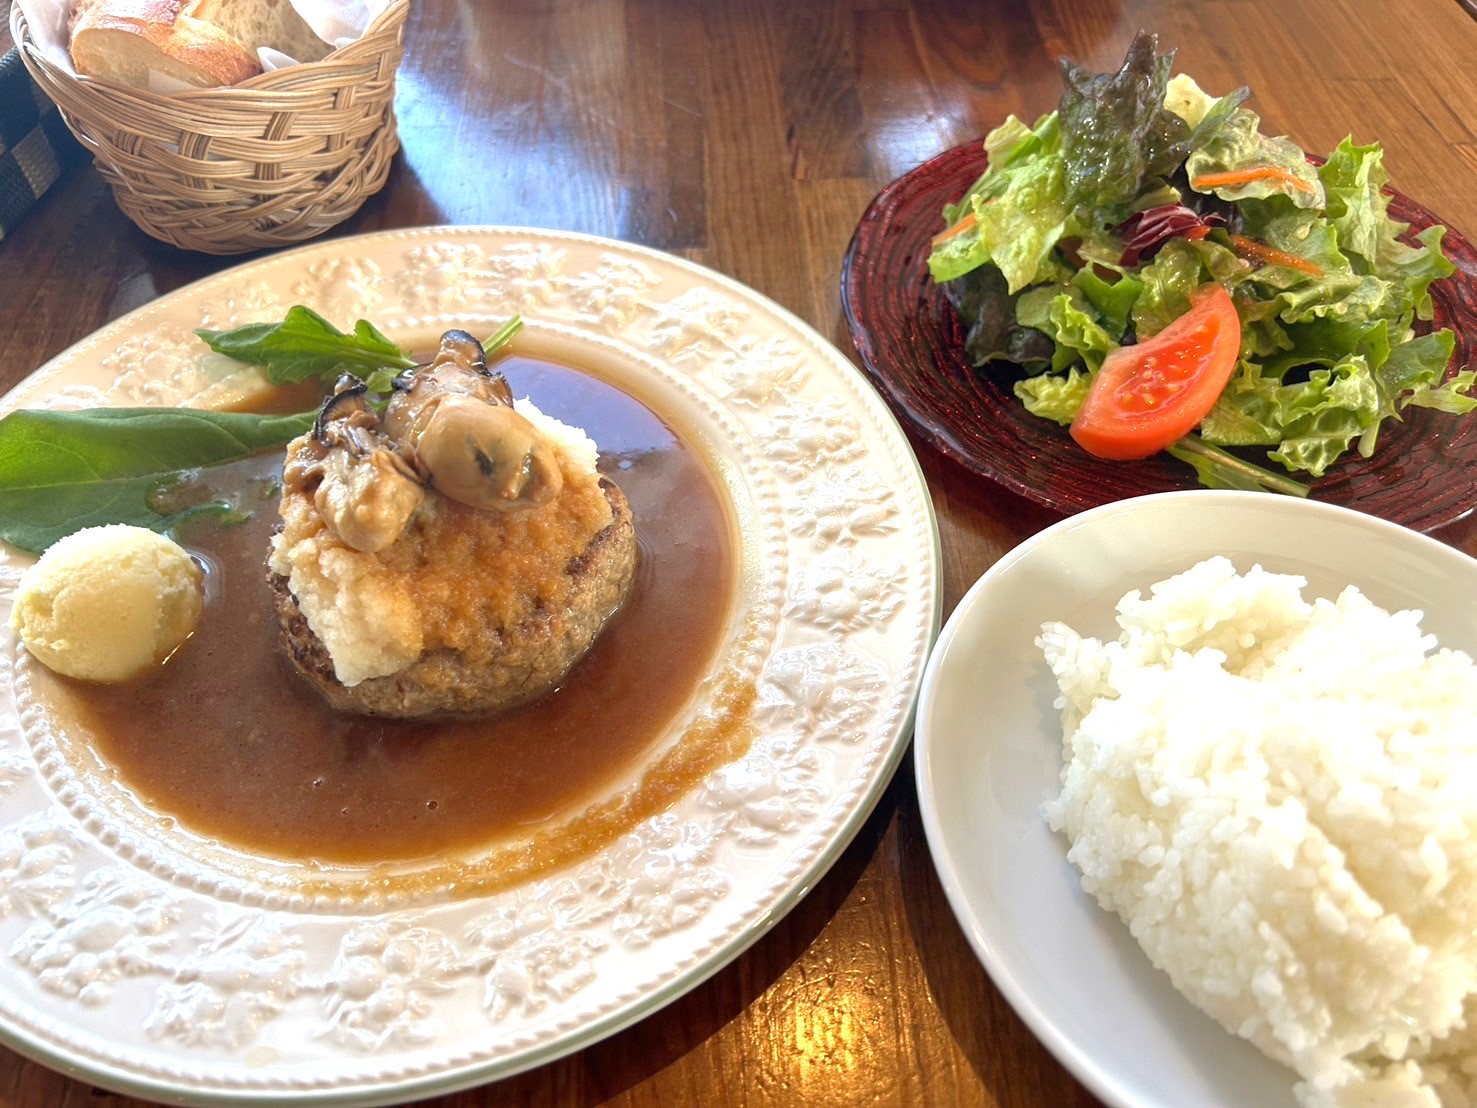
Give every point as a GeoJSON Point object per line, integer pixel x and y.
{"type": "Point", "coordinates": [978, 1017]}
{"type": "Point", "coordinates": [610, 1069]}
{"type": "Point", "coordinates": [1460, 533]}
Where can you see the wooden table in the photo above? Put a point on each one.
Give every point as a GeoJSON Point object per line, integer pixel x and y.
{"type": "Point", "coordinates": [749, 137]}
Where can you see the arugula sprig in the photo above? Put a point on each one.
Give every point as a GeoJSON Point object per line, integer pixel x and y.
{"type": "Point", "coordinates": [502, 336]}
{"type": "Point", "coordinates": [306, 346]}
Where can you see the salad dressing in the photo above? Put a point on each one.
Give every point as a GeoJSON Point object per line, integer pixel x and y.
{"type": "Point", "coordinates": [1095, 228]}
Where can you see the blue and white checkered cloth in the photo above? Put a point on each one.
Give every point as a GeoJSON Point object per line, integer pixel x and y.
{"type": "Point", "coordinates": [35, 146]}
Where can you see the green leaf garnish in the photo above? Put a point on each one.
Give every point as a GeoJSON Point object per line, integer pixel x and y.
{"type": "Point", "coordinates": [503, 336]}
{"type": "Point", "coordinates": [305, 345]}
{"type": "Point", "coordinates": [63, 471]}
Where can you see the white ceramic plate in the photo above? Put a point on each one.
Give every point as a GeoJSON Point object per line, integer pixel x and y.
{"type": "Point", "coordinates": [157, 964]}
{"type": "Point", "coordinates": [988, 751]}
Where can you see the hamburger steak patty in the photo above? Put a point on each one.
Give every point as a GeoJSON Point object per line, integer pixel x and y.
{"type": "Point", "coordinates": [533, 655]}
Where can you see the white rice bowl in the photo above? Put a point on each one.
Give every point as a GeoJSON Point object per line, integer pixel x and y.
{"type": "Point", "coordinates": [1279, 797]}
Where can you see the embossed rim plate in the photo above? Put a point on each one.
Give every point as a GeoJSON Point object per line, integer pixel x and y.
{"type": "Point", "coordinates": [138, 961]}
{"type": "Point", "coordinates": [912, 345]}
{"type": "Point", "coordinates": [988, 754]}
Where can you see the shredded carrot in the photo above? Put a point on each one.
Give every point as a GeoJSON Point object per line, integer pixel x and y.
{"type": "Point", "coordinates": [1247, 176]}
{"type": "Point", "coordinates": [1197, 232]}
{"type": "Point", "coordinates": [1270, 255]}
{"type": "Point", "coordinates": [958, 229]}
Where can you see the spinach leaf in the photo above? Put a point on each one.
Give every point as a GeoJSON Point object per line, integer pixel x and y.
{"type": "Point", "coordinates": [306, 345]}
{"type": "Point", "coordinates": [63, 471]}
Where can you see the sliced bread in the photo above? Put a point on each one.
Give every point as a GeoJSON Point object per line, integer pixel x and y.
{"type": "Point", "coordinates": [124, 41]}
{"type": "Point", "coordinates": [258, 23]}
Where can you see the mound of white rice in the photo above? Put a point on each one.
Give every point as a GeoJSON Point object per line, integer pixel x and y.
{"type": "Point", "coordinates": [1280, 800]}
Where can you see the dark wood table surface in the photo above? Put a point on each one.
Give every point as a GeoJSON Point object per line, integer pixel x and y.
{"type": "Point", "coordinates": [749, 136]}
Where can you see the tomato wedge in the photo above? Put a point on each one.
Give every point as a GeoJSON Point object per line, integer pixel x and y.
{"type": "Point", "coordinates": [1148, 395]}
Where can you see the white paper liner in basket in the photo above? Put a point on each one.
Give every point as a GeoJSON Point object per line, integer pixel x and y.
{"type": "Point", "coordinates": [269, 162]}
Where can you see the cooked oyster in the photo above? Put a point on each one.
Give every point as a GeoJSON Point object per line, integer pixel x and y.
{"type": "Point", "coordinates": [450, 425]}
{"type": "Point", "coordinates": [448, 554]}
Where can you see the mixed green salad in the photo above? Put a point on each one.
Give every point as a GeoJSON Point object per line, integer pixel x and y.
{"type": "Point", "coordinates": [1092, 251]}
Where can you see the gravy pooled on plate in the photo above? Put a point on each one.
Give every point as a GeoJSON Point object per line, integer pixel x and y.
{"type": "Point", "coordinates": [229, 741]}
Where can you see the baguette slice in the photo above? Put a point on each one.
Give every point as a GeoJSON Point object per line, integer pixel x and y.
{"type": "Point", "coordinates": [258, 23]}
{"type": "Point", "coordinates": [124, 40]}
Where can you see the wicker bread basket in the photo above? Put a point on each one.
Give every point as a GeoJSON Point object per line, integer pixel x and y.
{"type": "Point", "coordinates": [271, 161]}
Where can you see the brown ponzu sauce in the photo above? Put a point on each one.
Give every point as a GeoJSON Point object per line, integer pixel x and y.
{"type": "Point", "coordinates": [228, 740]}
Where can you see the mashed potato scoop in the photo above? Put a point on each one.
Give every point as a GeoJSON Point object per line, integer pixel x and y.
{"type": "Point", "coordinates": [108, 603]}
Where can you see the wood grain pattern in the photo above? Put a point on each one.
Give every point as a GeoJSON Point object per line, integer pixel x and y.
{"type": "Point", "coordinates": [749, 136]}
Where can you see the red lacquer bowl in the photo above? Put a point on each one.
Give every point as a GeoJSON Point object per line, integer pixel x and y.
{"type": "Point", "coordinates": [1422, 474]}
